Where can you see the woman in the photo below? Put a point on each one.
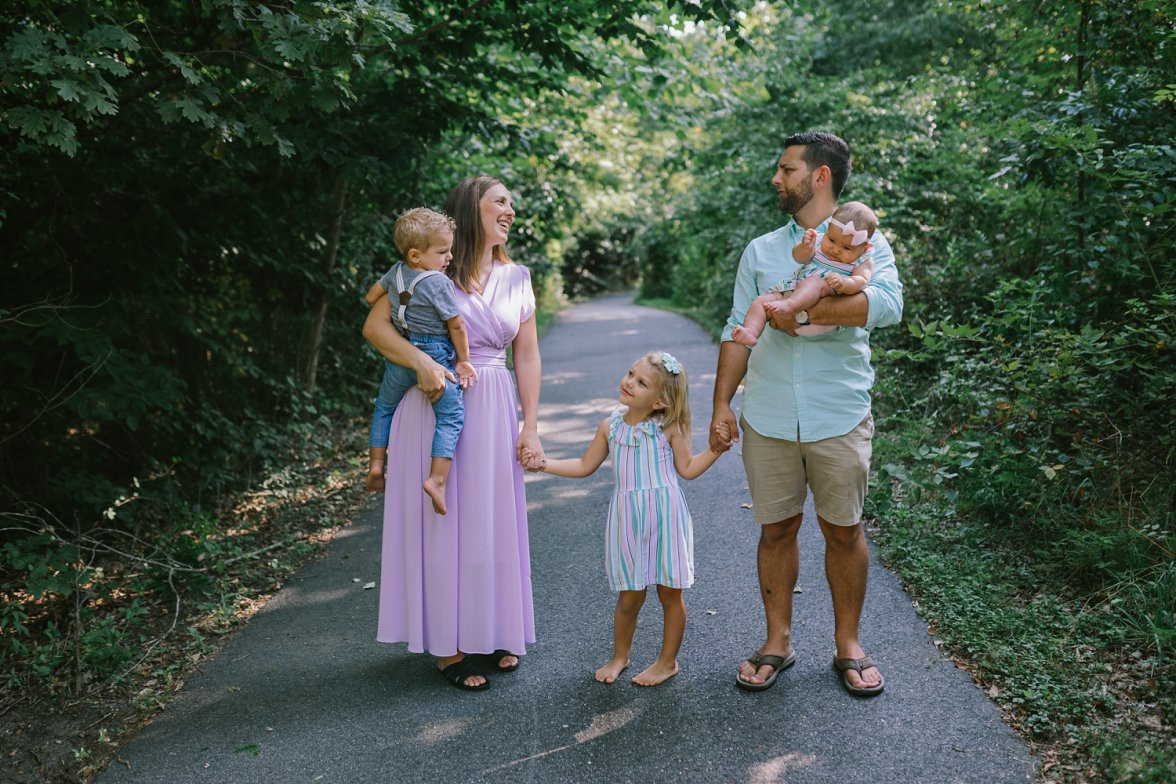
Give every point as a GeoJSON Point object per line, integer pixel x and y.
{"type": "Point", "coordinates": [461, 583]}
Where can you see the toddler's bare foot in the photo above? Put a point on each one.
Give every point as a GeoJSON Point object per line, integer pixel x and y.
{"type": "Point", "coordinates": [656, 674]}
{"type": "Point", "coordinates": [609, 672]}
{"type": "Point", "coordinates": [436, 491]}
{"type": "Point", "coordinates": [374, 482]}
{"type": "Point", "coordinates": [744, 336]}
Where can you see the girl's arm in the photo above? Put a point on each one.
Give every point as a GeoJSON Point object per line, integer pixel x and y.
{"type": "Point", "coordinates": [583, 466]}
{"type": "Point", "coordinates": [528, 375]}
{"type": "Point", "coordinates": [688, 465]}
{"type": "Point", "coordinates": [384, 338]}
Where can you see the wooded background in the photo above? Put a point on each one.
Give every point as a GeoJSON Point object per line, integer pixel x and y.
{"type": "Point", "coordinates": [194, 195]}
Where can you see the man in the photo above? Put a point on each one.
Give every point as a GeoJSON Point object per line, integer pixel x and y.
{"type": "Point", "coordinates": [806, 415]}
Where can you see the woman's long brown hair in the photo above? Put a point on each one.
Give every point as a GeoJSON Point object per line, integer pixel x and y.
{"type": "Point", "coordinates": [464, 205]}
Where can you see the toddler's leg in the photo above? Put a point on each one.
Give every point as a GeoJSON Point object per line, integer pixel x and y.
{"type": "Point", "coordinates": [392, 388]}
{"type": "Point", "coordinates": [666, 666]}
{"type": "Point", "coordinates": [807, 293]}
{"type": "Point", "coordinates": [374, 481]}
{"type": "Point", "coordinates": [624, 624]}
{"type": "Point", "coordinates": [755, 321]}
{"type": "Point", "coordinates": [450, 415]}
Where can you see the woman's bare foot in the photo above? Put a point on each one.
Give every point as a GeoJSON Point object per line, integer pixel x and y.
{"type": "Point", "coordinates": [610, 671]}
{"type": "Point", "coordinates": [656, 673]}
{"type": "Point", "coordinates": [744, 336]}
{"type": "Point", "coordinates": [374, 481]}
{"type": "Point", "coordinates": [436, 491]}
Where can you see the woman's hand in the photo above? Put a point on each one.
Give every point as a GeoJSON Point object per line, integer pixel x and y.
{"type": "Point", "coordinates": [431, 377]}
{"type": "Point", "coordinates": [528, 451]}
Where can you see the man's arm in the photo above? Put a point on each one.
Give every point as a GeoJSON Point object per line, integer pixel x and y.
{"type": "Point", "coordinates": [732, 359]}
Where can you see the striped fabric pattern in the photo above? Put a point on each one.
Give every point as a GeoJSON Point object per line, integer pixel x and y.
{"type": "Point", "coordinates": [649, 539]}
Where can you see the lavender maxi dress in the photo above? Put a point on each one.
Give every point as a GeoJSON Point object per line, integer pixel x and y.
{"type": "Point", "coordinates": [463, 581]}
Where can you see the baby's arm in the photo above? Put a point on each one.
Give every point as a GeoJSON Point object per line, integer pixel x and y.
{"type": "Point", "coordinates": [458, 334]}
{"type": "Point", "coordinates": [803, 251]}
{"type": "Point", "coordinates": [583, 466]}
{"type": "Point", "coordinates": [374, 293]}
{"type": "Point", "coordinates": [688, 465]}
{"type": "Point", "coordinates": [854, 283]}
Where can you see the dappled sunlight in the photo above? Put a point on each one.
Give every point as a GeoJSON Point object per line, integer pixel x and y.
{"type": "Point", "coordinates": [773, 770]}
{"type": "Point", "coordinates": [440, 731]}
{"type": "Point", "coordinates": [600, 725]}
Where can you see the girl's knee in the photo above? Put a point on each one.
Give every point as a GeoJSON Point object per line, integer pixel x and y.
{"type": "Point", "coordinates": [669, 596]}
{"type": "Point", "coordinates": [630, 601]}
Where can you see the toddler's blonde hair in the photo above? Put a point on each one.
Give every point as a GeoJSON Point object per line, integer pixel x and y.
{"type": "Point", "coordinates": [673, 390]}
{"type": "Point", "coordinates": [415, 229]}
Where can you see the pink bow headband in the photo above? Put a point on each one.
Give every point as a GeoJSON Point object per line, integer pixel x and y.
{"type": "Point", "coordinates": [857, 236]}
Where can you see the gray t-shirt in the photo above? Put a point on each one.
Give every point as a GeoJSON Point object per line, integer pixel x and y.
{"type": "Point", "coordinates": [433, 302]}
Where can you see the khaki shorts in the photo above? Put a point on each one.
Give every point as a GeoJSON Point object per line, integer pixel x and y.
{"type": "Point", "coordinates": [780, 472]}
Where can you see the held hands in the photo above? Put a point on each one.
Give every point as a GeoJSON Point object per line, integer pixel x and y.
{"type": "Point", "coordinates": [724, 431]}
{"type": "Point", "coordinates": [466, 374]}
{"type": "Point", "coordinates": [533, 462]}
{"type": "Point", "coordinates": [529, 451]}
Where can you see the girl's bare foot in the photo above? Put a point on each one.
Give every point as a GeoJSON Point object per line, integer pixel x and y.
{"type": "Point", "coordinates": [436, 491]}
{"type": "Point", "coordinates": [744, 336]}
{"type": "Point", "coordinates": [657, 673]}
{"type": "Point", "coordinates": [610, 671]}
{"type": "Point", "coordinates": [374, 481]}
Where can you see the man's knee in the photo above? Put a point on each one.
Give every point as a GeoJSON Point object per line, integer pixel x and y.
{"type": "Point", "coordinates": [841, 536]}
{"type": "Point", "coordinates": [781, 533]}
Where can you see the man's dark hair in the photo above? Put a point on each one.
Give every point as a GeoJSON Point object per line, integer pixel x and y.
{"type": "Point", "coordinates": [824, 149]}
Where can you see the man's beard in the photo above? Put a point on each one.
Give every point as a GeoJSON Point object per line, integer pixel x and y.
{"type": "Point", "coordinates": [793, 201]}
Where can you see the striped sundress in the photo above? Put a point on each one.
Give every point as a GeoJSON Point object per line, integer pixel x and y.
{"type": "Point", "coordinates": [649, 539]}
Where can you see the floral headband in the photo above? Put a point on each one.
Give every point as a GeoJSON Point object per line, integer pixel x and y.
{"type": "Point", "coordinates": [672, 365]}
{"type": "Point", "coordinates": [857, 236]}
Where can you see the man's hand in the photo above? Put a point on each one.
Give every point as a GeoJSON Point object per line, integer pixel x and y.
{"type": "Point", "coordinates": [724, 430]}
{"type": "Point", "coordinates": [784, 323]}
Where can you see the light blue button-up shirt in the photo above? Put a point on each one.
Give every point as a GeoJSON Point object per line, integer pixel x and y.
{"type": "Point", "coordinates": [809, 388]}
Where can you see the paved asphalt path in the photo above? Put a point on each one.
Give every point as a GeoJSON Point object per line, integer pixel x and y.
{"type": "Point", "coordinates": [305, 694]}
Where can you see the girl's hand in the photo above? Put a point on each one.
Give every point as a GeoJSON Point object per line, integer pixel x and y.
{"type": "Point", "coordinates": [835, 281]}
{"type": "Point", "coordinates": [532, 462]}
{"type": "Point", "coordinates": [466, 374]}
{"type": "Point", "coordinates": [528, 444]}
{"type": "Point", "coordinates": [806, 248]}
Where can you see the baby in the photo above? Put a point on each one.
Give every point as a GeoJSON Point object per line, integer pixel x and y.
{"type": "Point", "coordinates": [836, 262]}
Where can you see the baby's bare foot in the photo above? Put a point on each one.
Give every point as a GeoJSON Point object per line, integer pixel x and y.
{"type": "Point", "coordinates": [744, 336]}
{"type": "Point", "coordinates": [374, 482]}
{"type": "Point", "coordinates": [436, 491]}
{"type": "Point", "coordinates": [609, 672]}
{"type": "Point", "coordinates": [656, 674]}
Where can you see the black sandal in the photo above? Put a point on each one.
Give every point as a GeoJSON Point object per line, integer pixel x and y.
{"type": "Point", "coordinates": [493, 659]}
{"type": "Point", "coordinates": [461, 669]}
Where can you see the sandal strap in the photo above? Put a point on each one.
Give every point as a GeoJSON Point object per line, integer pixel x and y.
{"type": "Point", "coordinates": [859, 665]}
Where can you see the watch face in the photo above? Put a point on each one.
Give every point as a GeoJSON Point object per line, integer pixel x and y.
{"type": "Point", "coordinates": [801, 318]}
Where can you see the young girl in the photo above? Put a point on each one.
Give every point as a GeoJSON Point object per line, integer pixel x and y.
{"type": "Point", "coordinates": [649, 539]}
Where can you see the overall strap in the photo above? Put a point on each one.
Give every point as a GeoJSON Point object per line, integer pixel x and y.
{"type": "Point", "coordinates": [405, 294]}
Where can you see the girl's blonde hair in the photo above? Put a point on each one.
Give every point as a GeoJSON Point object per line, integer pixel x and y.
{"type": "Point", "coordinates": [672, 389]}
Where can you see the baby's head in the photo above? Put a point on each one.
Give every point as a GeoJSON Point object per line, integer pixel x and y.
{"type": "Point", "coordinates": [424, 238]}
{"type": "Point", "coordinates": [850, 229]}
{"type": "Point", "coordinates": [670, 384]}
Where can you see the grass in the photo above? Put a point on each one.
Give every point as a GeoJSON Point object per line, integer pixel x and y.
{"type": "Point", "coordinates": [1070, 674]}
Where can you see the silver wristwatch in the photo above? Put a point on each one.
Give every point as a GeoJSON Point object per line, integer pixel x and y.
{"type": "Point", "coordinates": [801, 318]}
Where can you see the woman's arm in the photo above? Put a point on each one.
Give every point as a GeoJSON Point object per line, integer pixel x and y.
{"type": "Point", "coordinates": [689, 466]}
{"type": "Point", "coordinates": [378, 331]}
{"type": "Point", "coordinates": [528, 374]}
{"type": "Point", "coordinates": [584, 466]}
